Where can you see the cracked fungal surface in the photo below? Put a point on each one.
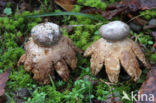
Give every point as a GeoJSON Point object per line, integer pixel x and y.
{"type": "Point", "coordinates": [44, 59]}
{"type": "Point", "coordinates": [111, 54]}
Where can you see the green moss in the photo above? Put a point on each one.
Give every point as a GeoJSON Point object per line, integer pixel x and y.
{"type": "Point", "coordinates": [84, 33]}
{"type": "Point", "coordinates": [148, 14]}
{"type": "Point", "coordinates": [93, 3]}
{"type": "Point", "coordinates": [153, 58]}
{"type": "Point", "coordinates": [11, 31]}
{"type": "Point", "coordinates": [143, 39]}
{"type": "Point", "coordinates": [10, 57]}
{"type": "Point", "coordinates": [37, 97]}
{"type": "Point", "coordinates": [52, 95]}
{"type": "Point", "coordinates": [19, 78]}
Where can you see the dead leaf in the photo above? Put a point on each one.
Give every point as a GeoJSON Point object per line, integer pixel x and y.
{"type": "Point", "coordinates": [90, 10]}
{"type": "Point", "coordinates": [24, 6]}
{"type": "Point", "coordinates": [2, 5]}
{"type": "Point", "coordinates": [123, 7]}
{"type": "Point", "coordinates": [110, 11]}
{"type": "Point", "coordinates": [134, 5]}
{"type": "Point", "coordinates": [67, 5]}
{"type": "Point", "coordinates": [149, 86]}
{"type": "Point", "coordinates": [154, 35]}
{"type": "Point", "coordinates": [109, 14]}
{"type": "Point", "coordinates": [154, 46]}
{"type": "Point", "coordinates": [127, 6]}
{"type": "Point", "coordinates": [150, 27]}
{"type": "Point", "coordinates": [3, 80]}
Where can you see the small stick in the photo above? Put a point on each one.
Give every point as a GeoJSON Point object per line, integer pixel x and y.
{"type": "Point", "coordinates": [108, 83]}
{"type": "Point", "coordinates": [149, 27]}
{"type": "Point", "coordinates": [53, 5]}
{"type": "Point", "coordinates": [43, 5]}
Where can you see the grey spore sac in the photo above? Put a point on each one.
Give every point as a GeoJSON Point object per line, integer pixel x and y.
{"type": "Point", "coordinates": [46, 34]}
{"type": "Point", "coordinates": [114, 31]}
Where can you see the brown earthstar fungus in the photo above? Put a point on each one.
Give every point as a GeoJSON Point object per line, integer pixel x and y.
{"type": "Point", "coordinates": [113, 49]}
{"type": "Point", "coordinates": [48, 50]}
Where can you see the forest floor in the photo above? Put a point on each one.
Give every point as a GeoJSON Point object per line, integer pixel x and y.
{"type": "Point", "coordinates": [80, 21]}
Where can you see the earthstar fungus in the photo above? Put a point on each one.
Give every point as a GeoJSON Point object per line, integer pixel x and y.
{"type": "Point", "coordinates": [113, 49]}
{"type": "Point", "coordinates": [48, 50]}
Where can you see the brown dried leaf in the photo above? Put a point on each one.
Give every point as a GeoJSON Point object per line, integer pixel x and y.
{"type": "Point", "coordinates": [108, 13]}
{"type": "Point", "coordinates": [112, 13]}
{"type": "Point", "coordinates": [127, 6]}
{"type": "Point", "coordinates": [154, 46]}
{"type": "Point", "coordinates": [90, 10]}
{"type": "Point", "coordinates": [2, 5]}
{"type": "Point", "coordinates": [122, 7]}
{"type": "Point", "coordinates": [25, 6]}
{"type": "Point", "coordinates": [149, 86]}
{"type": "Point", "coordinates": [134, 5]}
{"type": "Point", "coordinates": [66, 4]}
{"type": "Point", "coordinates": [153, 34]}
{"type": "Point", "coordinates": [150, 27]}
{"type": "Point", "coordinates": [3, 80]}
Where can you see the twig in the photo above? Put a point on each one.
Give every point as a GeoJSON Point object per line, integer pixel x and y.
{"type": "Point", "coordinates": [108, 83]}
{"type": "Point", "coordinates": [43, 5]}
{"type": "Point", "coordinates": [136, 17]}
{"type": "Point", "coordinates": [52, 3]}
{"type": "Point", "coordinates": [149, 27]}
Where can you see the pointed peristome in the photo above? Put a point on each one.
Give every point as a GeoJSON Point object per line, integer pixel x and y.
{"type": "Point", "coordinates": [113, 49]}
{"type": "Point", "coordinates": [48, 50]}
